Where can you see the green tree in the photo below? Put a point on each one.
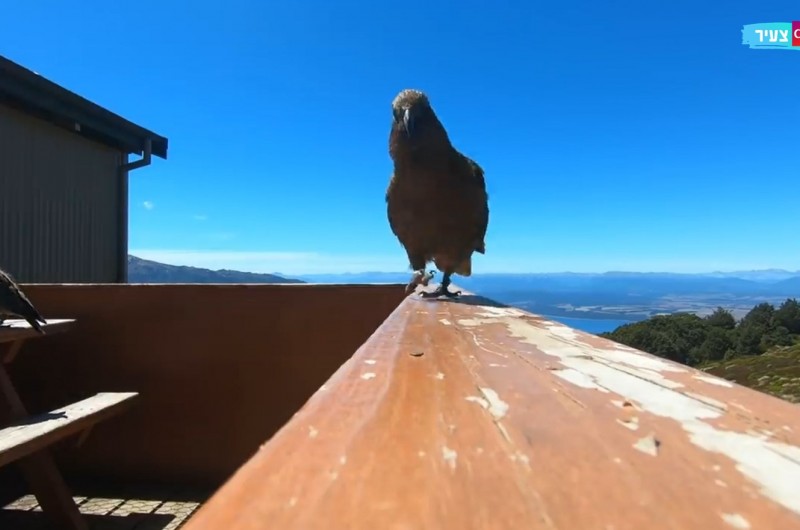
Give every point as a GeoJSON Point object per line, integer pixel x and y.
{"type": "Point", "coordinates": [761, 315]}
{"type": "Point", "coordinates": [721, 318]}
{"type": "Point", "coordinates": [718, 342]}
{"type": "Point", "coordinates": [779, 336]}
{"type": "Point", "coordinates": [788, 316]}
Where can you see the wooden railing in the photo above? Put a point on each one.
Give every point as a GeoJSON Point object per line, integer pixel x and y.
{"type": "Point", "coordinates": [468, 414]}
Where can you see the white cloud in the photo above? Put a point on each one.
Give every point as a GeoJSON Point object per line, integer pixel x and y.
{"type": "Point", "coordinates": [148, 205]}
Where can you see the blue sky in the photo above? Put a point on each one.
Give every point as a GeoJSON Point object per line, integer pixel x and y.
{"type": "Point", "coordinates": [620, 135]}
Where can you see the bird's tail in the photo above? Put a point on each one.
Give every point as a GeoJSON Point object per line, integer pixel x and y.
{"type": "Point", "coordinates": [465, 267]}
{"type": "Point", "coordinates": [35, 325]}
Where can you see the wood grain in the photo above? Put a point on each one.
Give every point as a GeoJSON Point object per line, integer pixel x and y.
{"type": "Point", "coordinates": [470, 415]}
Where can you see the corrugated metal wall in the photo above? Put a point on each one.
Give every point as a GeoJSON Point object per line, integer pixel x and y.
{"type": "Point", "coordinates": [59, 203]}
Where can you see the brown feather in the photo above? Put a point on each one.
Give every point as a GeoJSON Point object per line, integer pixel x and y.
{"type": "Point", "coordinates": [13, 302]}
{"type": "Point", "coordinates": [437, 203]}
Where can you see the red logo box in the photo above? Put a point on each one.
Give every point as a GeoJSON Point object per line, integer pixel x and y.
{"type": "Point", "coordinates": [795, 33]}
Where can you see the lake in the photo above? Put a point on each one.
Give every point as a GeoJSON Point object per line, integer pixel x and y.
{"type": "Point", "coordinates": [590, 325]}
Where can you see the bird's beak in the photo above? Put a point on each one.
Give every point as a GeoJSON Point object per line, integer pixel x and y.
{"type": "Point", "coordinates": [408, 122]}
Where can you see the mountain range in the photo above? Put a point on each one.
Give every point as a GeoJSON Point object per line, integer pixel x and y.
{"type": "Point", "coordinates": [146, 271]}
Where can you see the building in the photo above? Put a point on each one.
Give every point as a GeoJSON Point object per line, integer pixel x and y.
{"type": "Point", "coordinates": [64, 181]}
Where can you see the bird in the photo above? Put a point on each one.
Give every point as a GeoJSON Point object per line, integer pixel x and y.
{"type": "Point", "coordinates": [436, 200]}
{"type": "Point", "coordinates": [13, 302]}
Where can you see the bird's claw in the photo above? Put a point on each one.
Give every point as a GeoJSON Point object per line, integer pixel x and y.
{"type": "Point", "coordinates": [441, 291]}
{"type": "Point", "coordinates": [419, 278]}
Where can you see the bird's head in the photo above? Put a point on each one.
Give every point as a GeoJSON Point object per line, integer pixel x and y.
{"type": "Point", "coordinates": [409, 108]}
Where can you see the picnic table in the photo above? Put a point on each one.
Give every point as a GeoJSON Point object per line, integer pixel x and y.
{"type": "Point", "coordinates": [25, 439]}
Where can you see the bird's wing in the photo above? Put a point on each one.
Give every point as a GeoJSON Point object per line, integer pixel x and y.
{"type": "Point", "coordinates": [483, 214]}
{"type": "Point", "coordinates": [390, 213]}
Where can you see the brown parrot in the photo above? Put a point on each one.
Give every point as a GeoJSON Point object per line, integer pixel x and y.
{"type": "Point", "coordinates": [13, 302]}
{"type": "Point", "coordinates": [436, 200]}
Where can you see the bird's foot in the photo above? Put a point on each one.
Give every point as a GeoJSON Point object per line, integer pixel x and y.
{"type": "Point", "coordinates": [419, 278]}
{"type": "Point", "coordinates": [442, 290]}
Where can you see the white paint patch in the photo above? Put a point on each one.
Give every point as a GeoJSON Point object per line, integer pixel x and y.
{"type": "Point", "coordinates": [370, 361]}
{"type": "Point", "coordinates": [617, 460]}
{"type": "Point", "coordinates": [497, 365]}
{"type": "Point", "coordinates": [479, 400]}
{"type": "Point", "coordinates": [578, 378]}
{"type": "Point", "coordinates": [343, 459]}
{"type": "Point", "coordinates": [491, 402]}
{"type": "Point", "coordinates": [707, 400]}
{"type": "Point", "coordinates": [648, 445]}
{"type": "Point", "coordinates": [450, 457]}
{"type": "Point", "coordinates": [773, 467]}
{"type": "Point", "coordinates": [439, 376]}
{"type": "Point", "coordinates": [520, 457]}
{"type": "Point", "coordinates": [445, 322]}
{"type": "Point", "coordinates": [368, 375]}
{"type": "Point", "coordinates": [720, 483]}
{"type": "Point", "coordinates": [630, 423]}
{"type": "Point", "coordinates": [713, 381]}
{"type": "Point", "coordinates": [497, 407]}
{"type": "Point", "coordinates": [312, 432]}
{"type": "Point", "coordinates": [292, 502]}
{"type": "Point", "coordinates": [736, 520]}
{"type": "Point", "coordinates": [421, 454]}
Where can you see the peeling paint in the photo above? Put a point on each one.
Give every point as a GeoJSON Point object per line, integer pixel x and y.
{"type": "Point", "coordinates": [630, 423]}
{"type": "Point", "coordinates": [736, 520]}
{"type": "Point", "coordinates": [479, 400]}
{"type": "Point", "coordinates": [648, 445]}
{"type": "Point", "coordinates": [578, 378]}
{"type": "Point", "coordinates": [713, 380]}
{"type": "Point", "coordinates": [450, 457]}
{"type": "Point", "coordinates": [370, 361]}
{"type": "Point", "coordinates": [439, 376]}
{"type": "Point", "coordinates": [343, 459]}
{"type": "Point", "coordinates": [773, 466]}
{"type": "Point", "coordinates": [497, 365]}
{"type": "Point", "coordinates": [292, 502]}
{"type": "Point", "coordinates": [421, 454]}
{"type": "Point", "coordinates": [312, 432]}
{"type": "Point", "coordinates": [520, 457]}
{"type": "Point", "coordinates": [445, 322]}
{"type": "Point", "coordinates": [491, 402]}
{"type": "Point", "coordinates": [368, 375]}
{"type": "Point", "coordinates": [497, 407]}
{"type": "Point", "coordinates": [720, 483]}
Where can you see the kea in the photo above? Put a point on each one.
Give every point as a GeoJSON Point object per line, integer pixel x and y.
{"type": "Point", "coordinates": [436, 199]}
{"type": "Point", "coordinates": [13, 302]}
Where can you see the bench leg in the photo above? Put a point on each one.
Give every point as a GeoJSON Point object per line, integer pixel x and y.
{"type": "Point", "coordinates": [39, 470]}
{"type": "Point", "coordinates": [48, 486]}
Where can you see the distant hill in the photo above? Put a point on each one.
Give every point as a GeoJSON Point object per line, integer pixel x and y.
{"type": "Point", "coordinates": [776, 372]}
{"type": "Point", "coordinates": [146, 271]}
{"type": "Point", "coordinates": [610, 285]}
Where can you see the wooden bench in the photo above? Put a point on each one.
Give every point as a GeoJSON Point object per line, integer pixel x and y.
{"type": "Point", "coordinates": [25, 439]}
{"type": "Point", "coordinates": [34, 433]}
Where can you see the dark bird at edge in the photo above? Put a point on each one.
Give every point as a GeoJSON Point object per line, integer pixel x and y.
{"type": "Point", "coordinates": [436, 199]}
{"type": "Point", "coordinates": [13, 302]}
